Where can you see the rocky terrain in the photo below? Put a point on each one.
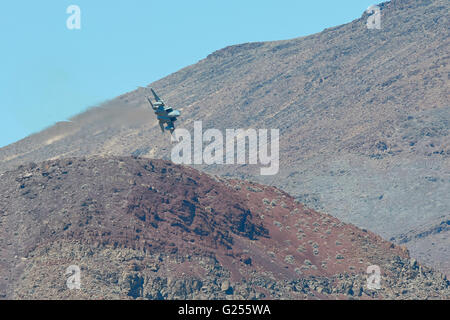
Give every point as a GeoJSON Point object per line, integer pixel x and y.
{"type": "Point", "coordinates": [142, 228]}
{"type": "Point", "coordinates": [363, 118]}
{"type": "Point", "coordinates": [430, 242]}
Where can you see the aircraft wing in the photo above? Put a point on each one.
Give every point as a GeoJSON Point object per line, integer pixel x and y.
{"type": "Point", "coordinates": [161, 125]}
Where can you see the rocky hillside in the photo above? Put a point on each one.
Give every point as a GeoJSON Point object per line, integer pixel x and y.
{"type": "Point", "coordinates": [141, 228]}
{"type": "Point", "coordinates": [430, 242]}
{"type": "Point", "coordinates": [363, 118]}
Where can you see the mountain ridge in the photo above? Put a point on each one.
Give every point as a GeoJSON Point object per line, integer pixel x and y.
{"type": "Point", "coordinates": [363, 118]}
{"type": "Point", "coordinates": [155, 230]}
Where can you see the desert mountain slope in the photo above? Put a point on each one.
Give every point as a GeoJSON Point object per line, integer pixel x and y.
{"type": "Point", "coordinates": [363, 118]}
{"type": "Point", "coordinates": [141, 228]}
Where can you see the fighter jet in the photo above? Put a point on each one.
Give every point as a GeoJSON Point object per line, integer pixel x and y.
{"type": "Point", "coordinates": [165, 115]}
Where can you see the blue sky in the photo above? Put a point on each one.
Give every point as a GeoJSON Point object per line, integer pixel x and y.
{"type": "Point", "coordinates": [49, 73]}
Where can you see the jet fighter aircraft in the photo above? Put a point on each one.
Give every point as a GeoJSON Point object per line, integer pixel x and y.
{"type": "Point", "coordinates": [166, 115]}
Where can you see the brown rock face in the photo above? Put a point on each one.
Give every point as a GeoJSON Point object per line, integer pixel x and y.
{"type": "Point", "coordinates": [142, 228]}
{"type": "Point", "coordinates": [363, 118]}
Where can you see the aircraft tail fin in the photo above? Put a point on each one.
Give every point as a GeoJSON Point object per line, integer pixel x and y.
{"type": "Point", "coordinates": [150, 101]}
{"type": "Point", "coordinates": [155, 95]}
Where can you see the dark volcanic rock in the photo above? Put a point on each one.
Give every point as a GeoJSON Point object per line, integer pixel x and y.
{"type": "Point", "coordinates": [363, 116]}
{"type": "Point", "coordinates": [142, 228]}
